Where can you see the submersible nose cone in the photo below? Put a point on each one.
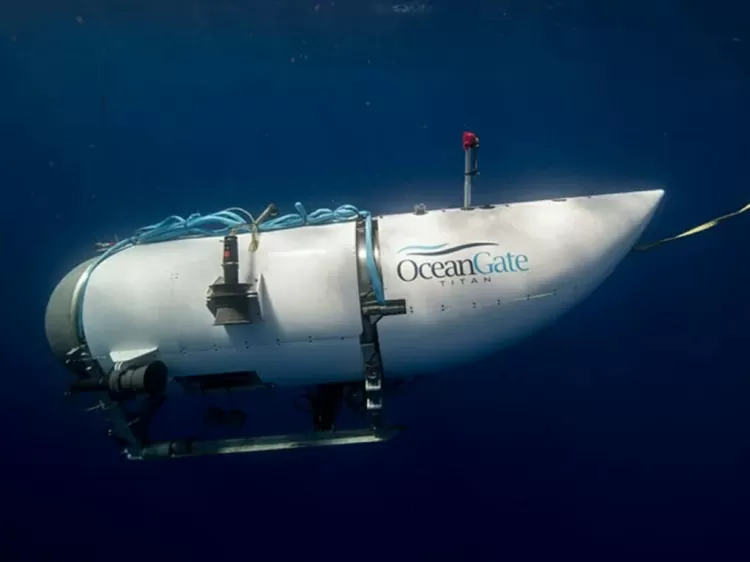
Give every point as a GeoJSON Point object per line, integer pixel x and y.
{"type": "Point", "coordinates": [60, 322]}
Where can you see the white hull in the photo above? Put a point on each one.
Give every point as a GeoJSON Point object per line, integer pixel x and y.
{"type": "Point", "coordinates": [541, 259]}
{"type": "Point", "coordinates": [521, 267]}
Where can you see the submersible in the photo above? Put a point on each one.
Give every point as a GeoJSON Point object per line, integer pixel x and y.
{"type": "Point", "coordinates": [338, 302]}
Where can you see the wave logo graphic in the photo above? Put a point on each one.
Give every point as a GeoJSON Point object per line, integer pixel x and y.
{"type": "Point", "coordinates": [440, 249]}
{"type": "Point", "coordinates": [436, 263]}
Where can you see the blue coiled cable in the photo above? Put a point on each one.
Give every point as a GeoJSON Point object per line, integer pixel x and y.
{"type": "Point", "coordinates": [239, 221]}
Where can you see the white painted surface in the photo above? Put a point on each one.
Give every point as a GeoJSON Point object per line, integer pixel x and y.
{"type": "Point", "coordinates": [549, 255]}
{"type": "Point", "coordinates": [546, 257]}
{"type": "Point", "coordinates": [155, 295]}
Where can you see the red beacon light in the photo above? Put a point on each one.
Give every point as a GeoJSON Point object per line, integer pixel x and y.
{"type": "Point", "coordinates": [470, 140]}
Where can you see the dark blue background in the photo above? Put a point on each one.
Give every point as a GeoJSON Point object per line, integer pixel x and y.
{"type": "Point", "coordinates": [623, 430]}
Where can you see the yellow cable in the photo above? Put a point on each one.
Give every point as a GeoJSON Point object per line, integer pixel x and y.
{"type": "Point", "coordinates": [254, 239]}
{"type": "Point", "coordinates": [694, 230]}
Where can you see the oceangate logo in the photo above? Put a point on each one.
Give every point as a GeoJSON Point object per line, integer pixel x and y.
{"type": "Point", "coordinates": [431, 263]}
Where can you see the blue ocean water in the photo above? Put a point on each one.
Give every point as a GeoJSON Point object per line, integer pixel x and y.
{"type": "Point", "coordinates": [620, 433]}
